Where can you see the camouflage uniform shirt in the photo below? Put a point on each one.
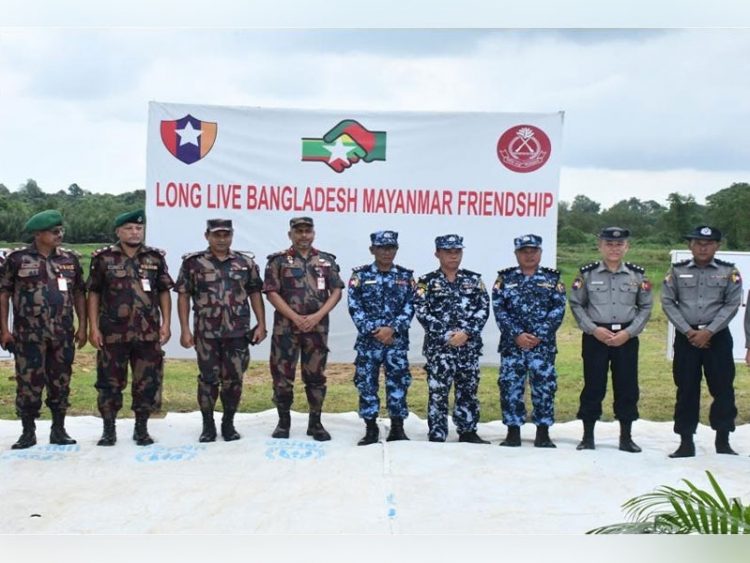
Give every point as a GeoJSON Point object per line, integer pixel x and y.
{"type": "Point", "coordinates": [43, 291]}
{"type": "Point", "coordinates": [127, 310]}
{"type": "Point", "coordinates": [304, 283]}
{"type": "Point", "coordinates": [220, 290]}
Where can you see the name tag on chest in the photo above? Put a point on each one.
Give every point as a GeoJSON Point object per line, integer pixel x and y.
{"type": "Point", "coordinates": [146, 284]}
{"type": "Point", "coordinates": [62, 284]}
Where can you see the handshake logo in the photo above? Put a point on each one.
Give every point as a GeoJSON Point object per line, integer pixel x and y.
{"type": "Point", "coordinates": [345, 144]}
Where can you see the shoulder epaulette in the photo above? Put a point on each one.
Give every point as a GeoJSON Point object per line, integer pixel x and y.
{"type": "Point", "coordinates": [14, 250]}
{"type": "Point", "coordinates": [100, 250]}
{"type": "Point", "coordinates": [724, 263]}
{"type": "Point", "coordinates": [429, 276]}
{"type": "Point", "coordinates": [361, 268]}
{"type": "Point", "coordinates": [154, 249]}
{"type": "Point", "coordinates": [552, 271]}
{"type": "Point", "coordinates": [189, 255]}
{"type": "Point", "coordinates": [472, 274]}
{"type": "Point", "coordinates": [71, 251]}
{"type": "Point", "coordinates": [246, 253]}
{"type": "Point", "coordinates": [275, 254]}
{"type": "Point", "coordinates": [682, 263]}
{"type": "Point", "coordinates": [588, 267]}
{"type": "Point", "coordinates": [402, 269]}
{"type": "Point", "coordinates": [327, 255]}
{"type": "Point", "coordinates": [505, 271]}
{"type": "Point", "coordinates": [635, 267]}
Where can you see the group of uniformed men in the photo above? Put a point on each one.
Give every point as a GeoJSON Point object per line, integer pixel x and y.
{"type": "Point", "coordinates": [126, 317]}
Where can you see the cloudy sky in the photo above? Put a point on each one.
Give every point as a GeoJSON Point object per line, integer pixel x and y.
{"type": "Point", "coordinates": [647, 112]}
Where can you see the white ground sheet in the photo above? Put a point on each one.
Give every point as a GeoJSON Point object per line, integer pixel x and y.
{"type": "Point", "coordinates": [262, 485]}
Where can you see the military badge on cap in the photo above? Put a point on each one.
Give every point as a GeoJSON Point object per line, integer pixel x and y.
{"type": "Point", "coordinates": [300, 221]}
{"type": "Point", "coordinates": [614, 233]}
{"type": "Point", "coordinates": [527, 241]}
{"type": "Point", "coordinates": [704, 232]}
{"type": "Point", "coordinates": [449, 242]}
{"type": "Point", "coordinates": [43, 221]}
{"type": "Point", "coordinates": [138, 216]}
{"type": "Point", "coordinates": [384, 238]}
{"type": "Point", "coordinates": [213, 225]}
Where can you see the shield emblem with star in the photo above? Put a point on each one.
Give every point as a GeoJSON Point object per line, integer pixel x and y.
{"type": "Point", "coordinates": [188, 139]}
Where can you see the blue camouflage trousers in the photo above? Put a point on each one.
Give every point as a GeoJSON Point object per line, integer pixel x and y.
{"type": "Point", "coordinates": [460, 368]}
{"type": "Point", "coordinates": [397, 381]}
{"type": "Point", "coordinates": [539, 364]}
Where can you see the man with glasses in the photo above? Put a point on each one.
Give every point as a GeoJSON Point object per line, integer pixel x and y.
{"type": "Point", "coordinates": [129, 312]}
{"type": "Point", "coordinates": [611, 301]}
{"type": "Point", "coordinates": [45, 282]}
{"type": "Point", "coordinates": [381, 304]}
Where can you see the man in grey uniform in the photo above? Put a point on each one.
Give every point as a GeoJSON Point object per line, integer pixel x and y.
{"type": "Point", "coordinates": [611, 301]}
{"type": "Point", "coordinates": [700, 296]}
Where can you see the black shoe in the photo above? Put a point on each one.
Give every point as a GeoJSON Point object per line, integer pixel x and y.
{"type": "Point", "coordinates": [436, 439]}
{"type": "Point", "coordinates": [28, 435]}
{"type": "Point", "coordinates": [587, 442]}
{"type": "Point", "coordinates": [722, 443]}
{"type": "Point", "coordinates": [513, 437]}
{"type": "Point", "coordinates": [57, 434]}
{"type": "Point", "coordinates": [109, 434]}
{"type": "Point", "coordinates": [140, 432]}
{"type": "Point", "coordinates": [228, 431]}
{"type": "Point", "coordinates": [208, 433]}
{"type": "Point", "coordinates": [471, 438]}
{"type": "Point", "coordinates": [628, 445]}
{"type": "Point", "coordinates": [542, 439]}
{"type": "Point", "coordinates": [315, 428]}
{"type": "Point", "coordinates": [397, 430]}
{"type": "Point", "coordinates": [372, 433]}
{"type": "Point", "coordinates": [686, 449]}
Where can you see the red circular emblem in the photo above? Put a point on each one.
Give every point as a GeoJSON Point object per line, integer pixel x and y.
{"type": "Point", "coordinates": [523, 148]}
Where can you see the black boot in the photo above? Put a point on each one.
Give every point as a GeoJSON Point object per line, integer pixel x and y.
{"type": "Point", "coordinates": [208, 434]}
{"type": "Point", "coordinates": [626, 441]}
{"type": "Point", "coordinates": [722, 443]}
{"type": "Point", "coordinates": [315, 428]}
{"type": "Point", "coordinates": [397, 430]}
{"type": "Point", "coordinates": [687, 447]}
{"type": "Point", "coordinates": [28, 436]}
{"type": "Point", "coordinates": [513, 437]}
{"type": "Point", "coordinates": [587, 442]}
{"type": "Point", "coordinates": [57, 434]}
{"type": "Point", "coordinates": [140, 432]}
{"type": "Point", "coordinates": [285, 422]}
{"type": "Point", "coordinates": [109, 434]}
{"type": "Point", "coordinates": [228, 431]}
{"type": "Point", "coordinates": [471, 438]}
{"type": "Point", "coordinates": [542, 439]}
{"type": "Point", "coordinates": [372, 433]}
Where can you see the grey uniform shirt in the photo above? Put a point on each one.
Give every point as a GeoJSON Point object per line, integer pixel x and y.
{"type": "Point", "coordinates": [747, 325]}
{"type": "Point", "coordinates": [600, 296]}
{"type": "Point", "coordinates": [705, 297]}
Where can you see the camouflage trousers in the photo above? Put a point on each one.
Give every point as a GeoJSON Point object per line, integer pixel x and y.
{"type": "Point", "coordinates": [539, 365]}
{"type": "Point", "coordinates": [222, 363]}
{"type": "Point", "coordinates": [146, 360]}
{"type": "Point", "coordinates": [459, 368]}
{"type": "Point", "coordinates": [286, 349]}
{"type": "Point", "coordinates": [397, 381]}
{"type": "Point", "coordinates": [39, 365]}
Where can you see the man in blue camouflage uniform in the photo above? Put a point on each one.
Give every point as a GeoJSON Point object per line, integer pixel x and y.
{"type": "Point", "coordinates": [381, 304]}
{"type": "Point", "coordinates": [303, 285]}
{"type": "Point", "coordinates": [700, 297]}
{"type": "Point", "coordinates": [220, 282]}
{"type": "Point", "coordinates": [529, 305]}
{"type": "Point", "coordinates": [453, 306]}
{"type": "Point", "coordinates": [611, 301]}
{"type": "Point", "coordinates": [129, 309]}
{"type": "Point", "coordinates": [45, 282]}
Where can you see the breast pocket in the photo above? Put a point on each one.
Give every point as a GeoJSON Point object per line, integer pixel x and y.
{"type": "Point", "coordinates": [598, 294]}
{"type": "Point", "coordinates": [292, 278]}
{"type": "Point", "coordinates": [628, 293]}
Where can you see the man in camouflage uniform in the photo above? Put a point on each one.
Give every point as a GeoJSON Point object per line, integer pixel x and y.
{"type": "Point", "coordinates": [611, 301]}
{"type": "Point", "coordinates": [45, 282]}
{"type": "Point", "coordinates": [129, 314]}
{"type": "Point", "coordinates": [220, 282]}
{"type": "Point", "coordinates": [700, 297]}
{"type": "Point", "coordinates": [529, 305]}
{"type": "Point", "coordinates": [453, 306]}
{"type": "Point", "coordinates": [381, 304]}
{"type": "Point", "coordinates": [303, 285]}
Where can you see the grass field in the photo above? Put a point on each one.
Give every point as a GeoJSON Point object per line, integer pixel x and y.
{"type": "Point", "coordinates": [657, 388]}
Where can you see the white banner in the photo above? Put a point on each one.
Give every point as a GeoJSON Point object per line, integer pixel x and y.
{"type": "Point", "coordinates": [488, 177]}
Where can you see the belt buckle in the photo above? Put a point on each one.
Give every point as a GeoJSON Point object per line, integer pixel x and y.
{"type": "Point", "coordinates": [701, 327]}
{"type": "Point", "coordinates": [616, 327]}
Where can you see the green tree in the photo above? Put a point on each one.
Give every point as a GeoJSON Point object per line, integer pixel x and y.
{"type": "Point", "coordinates": [728, 211]}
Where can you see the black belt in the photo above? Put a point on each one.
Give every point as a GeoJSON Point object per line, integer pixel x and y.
{"type": "Point", "coordinates": [698, 327]}
{"type": "Point", "coordinates": [614, 327]}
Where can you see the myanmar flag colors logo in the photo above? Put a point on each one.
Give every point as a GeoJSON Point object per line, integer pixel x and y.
{"type": "Point", "coordinates": [345, 144]}
{"type": "Point", "coordinates": [188, 139]}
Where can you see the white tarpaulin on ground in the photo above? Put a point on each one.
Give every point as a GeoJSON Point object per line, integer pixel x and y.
{"type": "Point", "coordinates": [262, 485]}
{"type": "Point", "coordinates": [487, 176]}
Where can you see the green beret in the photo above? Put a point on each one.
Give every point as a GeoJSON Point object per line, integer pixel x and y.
{"type": "Point", "coordinates": [44, 221]}
{"type": "Point", "coordinates": [137, 216]}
